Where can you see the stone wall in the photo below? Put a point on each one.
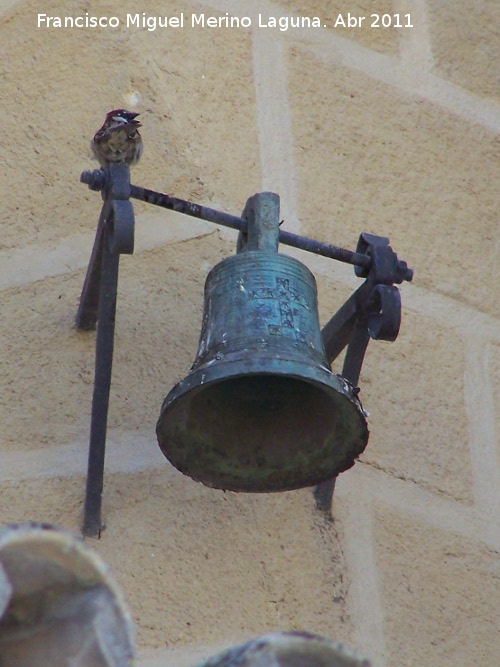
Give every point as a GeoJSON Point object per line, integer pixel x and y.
{"type": "Point", "coordinates": [384, 130]}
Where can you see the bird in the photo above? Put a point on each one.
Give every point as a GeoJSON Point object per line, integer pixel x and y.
{"type": "Point", "coordinates": [118, 140]}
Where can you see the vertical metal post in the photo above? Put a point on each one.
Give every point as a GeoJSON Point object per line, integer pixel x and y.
{"type": "Point", "coordinates": [102, 382]}
{"type": "Point", "coordinates": [355, 353]}
{"type": "Point", "coordinates": [115, 235]}
{"type": "Point", "coordinates": [86, 316]}
{"type": "Point", "coordinates": [373, 311]}
{"type": "Point", "coordinates": [347, 327]}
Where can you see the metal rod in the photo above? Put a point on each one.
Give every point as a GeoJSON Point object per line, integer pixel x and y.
{"type": "Point", "coordinates": [351, 370]}
{"type": "Point", "coordinates": [355, 352]}
{"type": "Point", "coordinates": [96, 179]}
{"type": "Point", "coordinates": [234, 222]}
{"type": "Point", "coordinates": [323, 495]}
{"type": "Point", "coordinates": [86, 315]}
{"type": "Point", "coordinates": [102, 382]}
{"type": "Point", "coordinates": [337, 331]}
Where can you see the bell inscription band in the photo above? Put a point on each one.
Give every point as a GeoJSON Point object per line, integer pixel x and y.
{"type": "Point", "coordinates": [260, 410]}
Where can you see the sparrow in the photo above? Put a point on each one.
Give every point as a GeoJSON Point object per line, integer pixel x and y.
{"type": "Point", "coordinates": [118, 140]}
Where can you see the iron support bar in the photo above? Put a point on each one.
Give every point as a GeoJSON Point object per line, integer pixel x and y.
{"type": "Point", "coordinates": [102, 382]}
{"type": "Point", "coordinates": [337, 331]}
{"type": "Point", "coordinates": [373, 311]}
{"type": "Point", "coordinates": [344, 329]}
{"type": "Point", "coordinates": [355, 354]}
{"type": "Point", "coordinates": [96, 181]}
{"type": "Point", "coordinates": [114, 236]}
{"type": "Point", "coordinates": [86, 316]}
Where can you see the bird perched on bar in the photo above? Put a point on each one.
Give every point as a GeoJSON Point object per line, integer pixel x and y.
{"type": "Point", "coordinates": [118, 140]}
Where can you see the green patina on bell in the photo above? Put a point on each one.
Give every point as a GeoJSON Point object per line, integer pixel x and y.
{"type": "Point", "coordinates": [261, 410]}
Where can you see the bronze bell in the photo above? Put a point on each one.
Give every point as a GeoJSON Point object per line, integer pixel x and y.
{"type": "Point", "coordinates": [261, 410]}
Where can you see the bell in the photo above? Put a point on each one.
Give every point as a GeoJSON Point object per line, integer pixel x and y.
{"type": "Point", "coordinates": [260, 410]}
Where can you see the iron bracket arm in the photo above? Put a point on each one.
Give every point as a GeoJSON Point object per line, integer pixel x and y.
{"type": "Point", "coordinates": [372, 311]}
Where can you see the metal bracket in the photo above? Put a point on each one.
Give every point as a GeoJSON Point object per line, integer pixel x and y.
{"type": "Point", "coordinates": [114, 236]}
{"type": "Point", "coordinates": [374, 310]}
{"type": "Point", "coordinates": [96, 180]}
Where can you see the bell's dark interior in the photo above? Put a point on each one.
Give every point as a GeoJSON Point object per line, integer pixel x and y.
{"type": "Point", "coordinates": [260, 433]}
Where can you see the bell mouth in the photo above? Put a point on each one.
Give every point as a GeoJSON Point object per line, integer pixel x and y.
{"type": "Point", "coordinates": [258, 431]}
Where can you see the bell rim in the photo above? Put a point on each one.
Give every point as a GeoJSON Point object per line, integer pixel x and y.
{"type": "Point", "coordinates": [217, 372]}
